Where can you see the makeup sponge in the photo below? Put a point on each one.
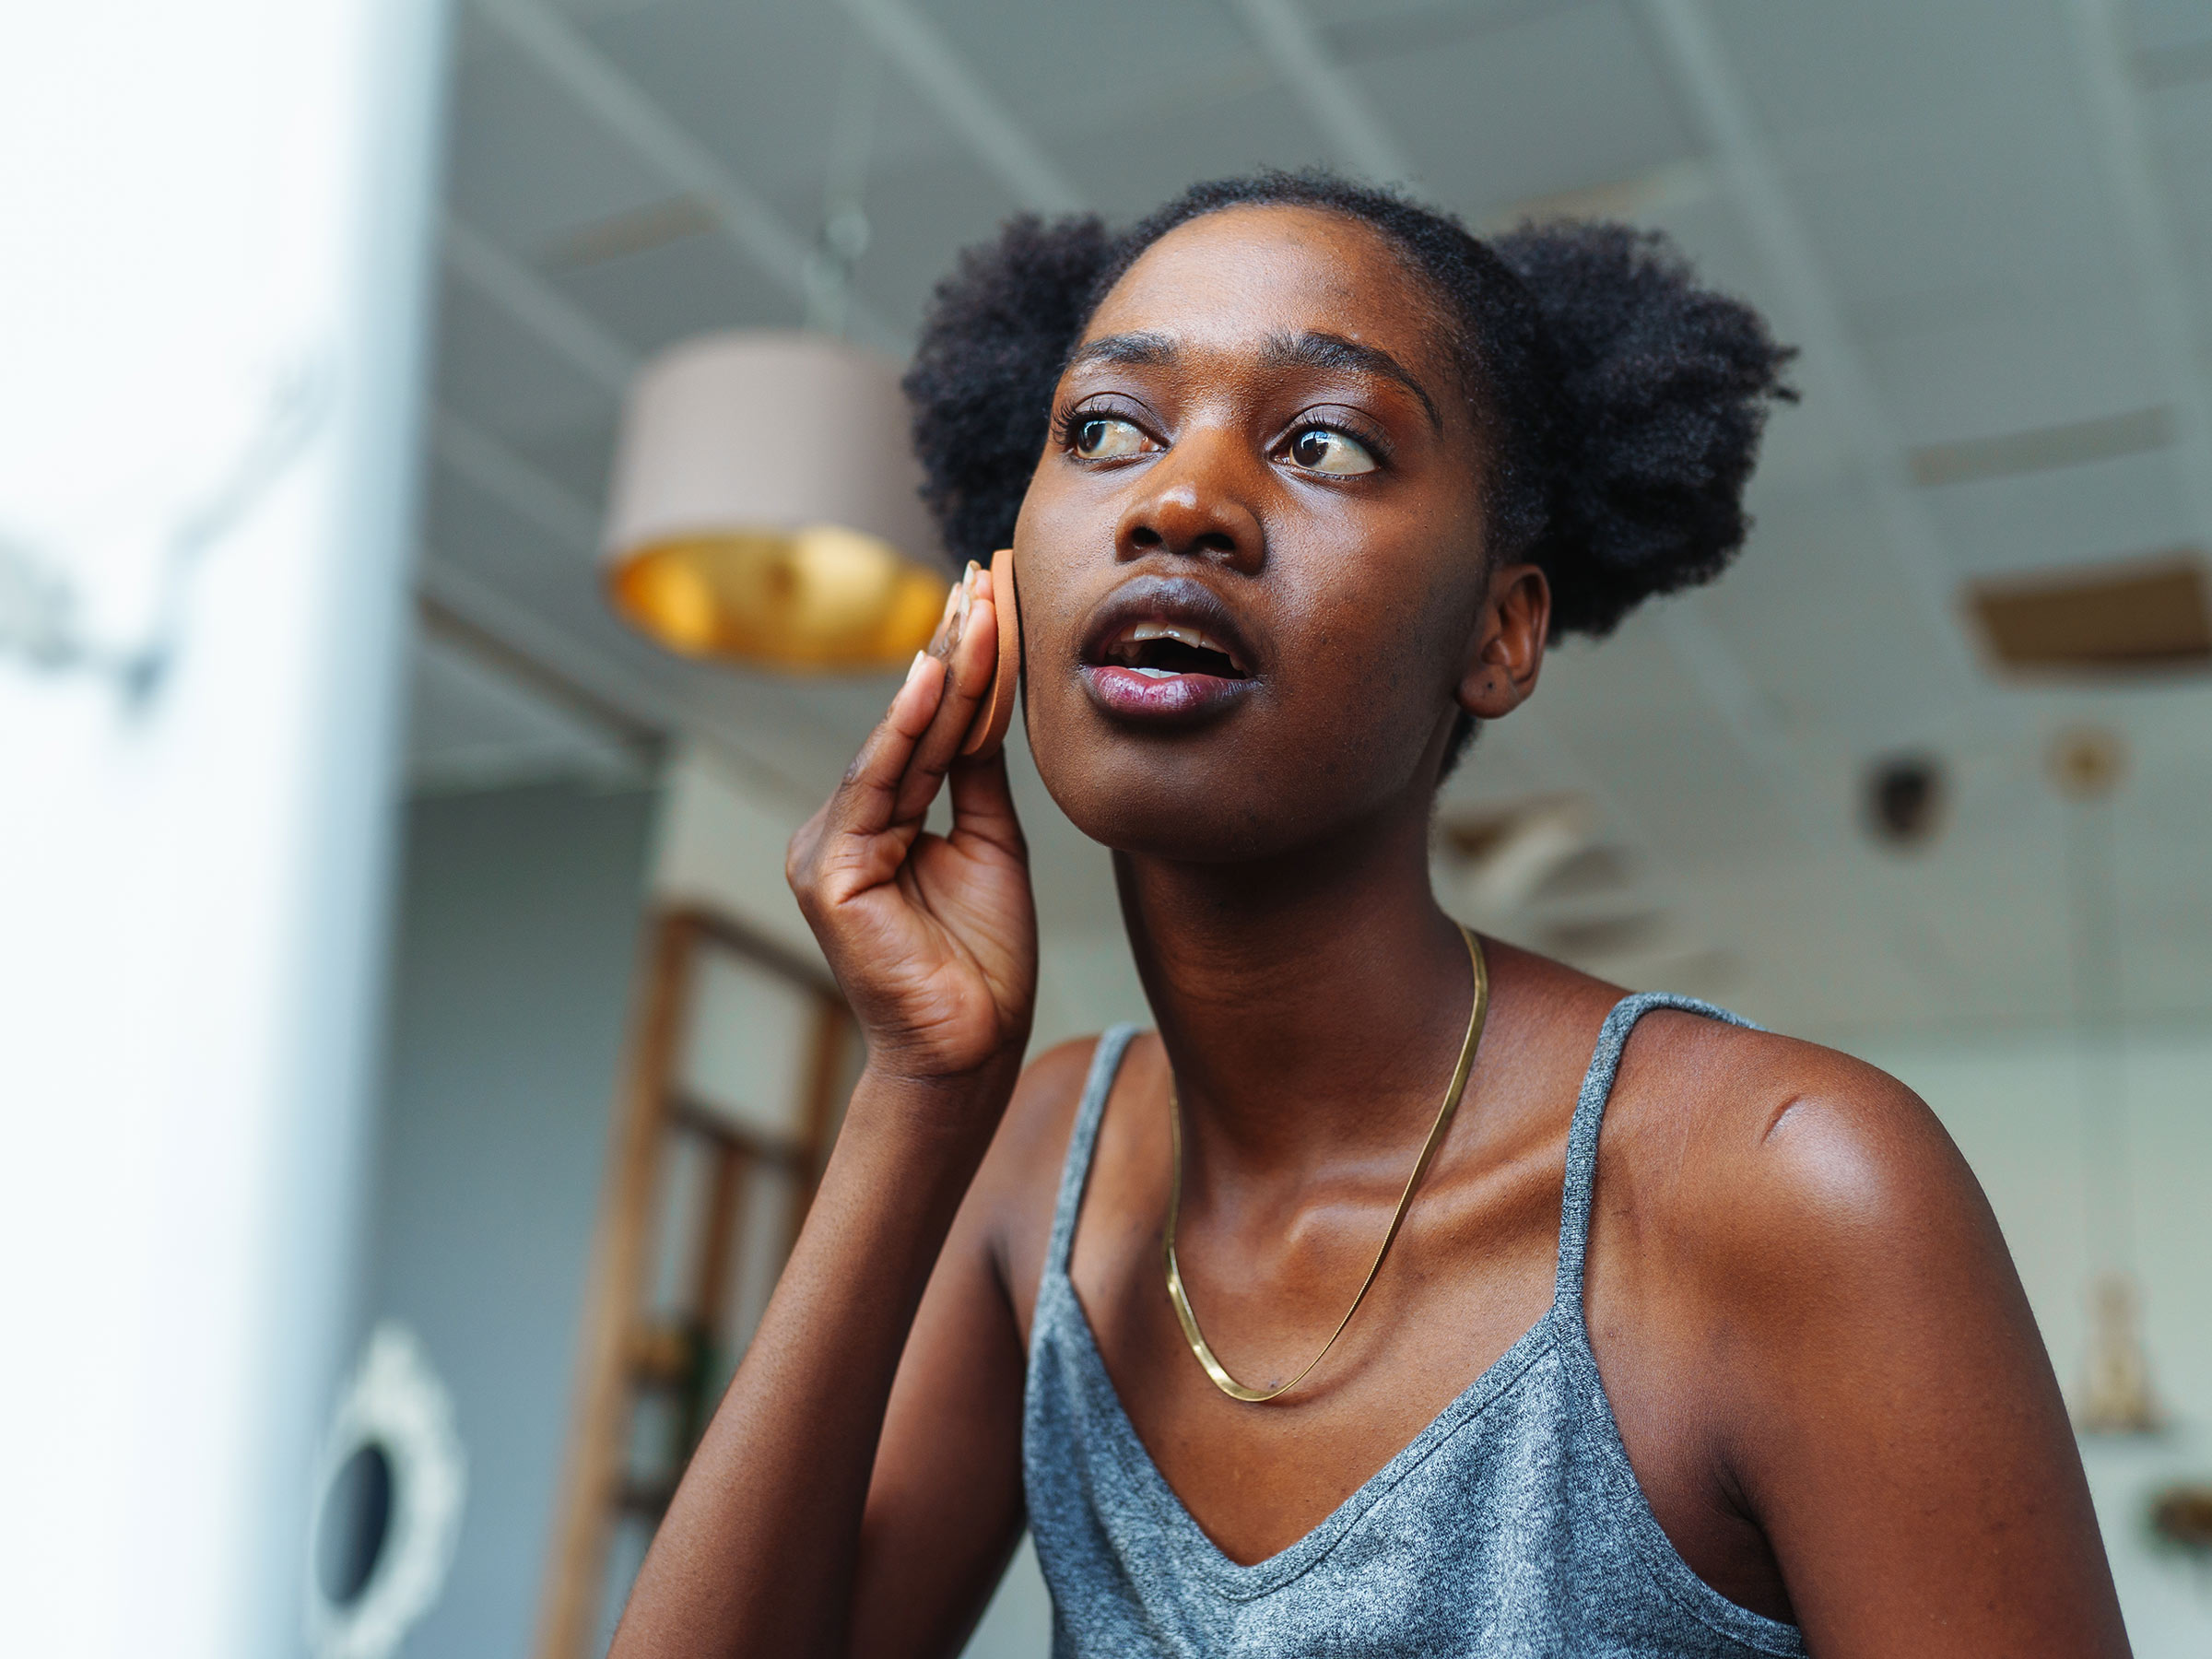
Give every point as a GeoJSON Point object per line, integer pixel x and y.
{"type": "Point", "coordinates": [988, 733]}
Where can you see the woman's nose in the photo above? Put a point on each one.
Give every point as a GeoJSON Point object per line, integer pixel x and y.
{"type": "Point", "coordinates": [1194, 504]}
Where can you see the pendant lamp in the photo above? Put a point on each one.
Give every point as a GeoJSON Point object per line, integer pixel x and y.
{"type": "Point", "coordinates": [2087, 767]}
{"type": "Point", "coordinates": [764, 510]}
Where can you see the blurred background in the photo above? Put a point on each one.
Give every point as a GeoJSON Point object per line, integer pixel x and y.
{"type": "Point", "coordinates": [426, 610]}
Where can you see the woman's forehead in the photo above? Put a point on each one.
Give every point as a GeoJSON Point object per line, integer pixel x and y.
{"type": "Point", "coordinates": [1241, 276]}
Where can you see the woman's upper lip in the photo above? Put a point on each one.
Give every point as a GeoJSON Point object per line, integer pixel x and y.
{"type": "Point", "coordinates": [1182, 603]}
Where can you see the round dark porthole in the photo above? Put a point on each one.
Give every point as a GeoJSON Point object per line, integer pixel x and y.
{"type": "Point", "coordinates": [356, 1523]}
{"type": "Point", "coordinates": [390, 1485]}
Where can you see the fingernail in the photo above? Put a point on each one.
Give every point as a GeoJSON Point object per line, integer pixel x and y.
{"type": "Point", "coordinates": [967, 599]}
{"type": "Point", "coordinates": [952, 600]}
{"type": "Point", "coordinates": [968, 576]}
{"type": "Point", "coordinates": [913, 669]}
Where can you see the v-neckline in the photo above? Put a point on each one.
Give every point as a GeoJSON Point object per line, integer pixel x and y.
{"type": "Point", "coordinates": [1241, 1581]}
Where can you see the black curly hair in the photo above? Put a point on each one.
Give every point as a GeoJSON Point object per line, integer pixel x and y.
{"type": "Point", "coordinates": [1621, 403]}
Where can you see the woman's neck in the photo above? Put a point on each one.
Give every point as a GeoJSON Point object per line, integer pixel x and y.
{"type": "Point", "coordinates": [1309, 1003]}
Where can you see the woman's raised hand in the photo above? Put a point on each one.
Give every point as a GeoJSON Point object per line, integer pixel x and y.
{"type": "Point", "coordinates": [933, 938]}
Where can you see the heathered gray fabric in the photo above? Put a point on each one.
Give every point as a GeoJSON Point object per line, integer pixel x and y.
{"type": "Point", "coordinates": [1511, 1525]}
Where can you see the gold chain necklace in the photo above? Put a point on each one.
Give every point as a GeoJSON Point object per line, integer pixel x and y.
{"type": "Point", "coordinates": [1192, 1335]}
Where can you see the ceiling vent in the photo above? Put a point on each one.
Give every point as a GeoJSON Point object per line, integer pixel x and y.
{"type": "Point", "coordinates": [2130, 617]}
{"type": "Point", "coordinates": [1905, 800]}
{"type": "Point", "coordinates": [2012, 455]}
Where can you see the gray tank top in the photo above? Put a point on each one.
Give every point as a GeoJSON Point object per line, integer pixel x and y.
{"type": "Point", "coordinates": [1511, 1525]}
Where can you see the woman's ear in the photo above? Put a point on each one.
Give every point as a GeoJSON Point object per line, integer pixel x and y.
{"type": "Point", "coordinates": [1509, 643]}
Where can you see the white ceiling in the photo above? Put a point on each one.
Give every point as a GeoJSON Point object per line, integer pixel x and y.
{"type": "Point", "coordinates": [1980, 219]}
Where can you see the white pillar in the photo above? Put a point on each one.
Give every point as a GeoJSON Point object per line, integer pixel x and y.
{"type": "Point", "coordinates": [215, 219]}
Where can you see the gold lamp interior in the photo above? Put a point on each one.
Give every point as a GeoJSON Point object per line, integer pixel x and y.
{"type": "Point", "coordinates": [820, 597]}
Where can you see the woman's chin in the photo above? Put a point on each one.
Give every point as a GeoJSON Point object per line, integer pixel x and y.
{"type": "Point", "coordinates": [1182, 814]}
{"type": "Point", "coordinates": [1170, 812]}
{"type": "Point", "coordinates": [1229, 780]}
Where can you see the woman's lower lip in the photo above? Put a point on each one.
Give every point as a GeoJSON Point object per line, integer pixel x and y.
{"type": "Point", "coordinates": [1166, 698]}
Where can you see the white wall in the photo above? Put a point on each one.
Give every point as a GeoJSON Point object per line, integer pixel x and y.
{"type": "Point", "coordinates": [721, 841]}
{"type": "Point", "coordinates": [216, 221]}
{"type": "Point", "coordinates": [514, 974]}
{"type": "Point", "coordinates": [720, 845]}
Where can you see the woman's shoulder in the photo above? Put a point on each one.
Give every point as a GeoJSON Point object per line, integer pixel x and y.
{"type": "Point", "coordinates": [1797, 1261]}
{"type": "Point", "coordinates": [1730, 1142]}
{"type": "Point", "coordinates": [1779, 1169]}
{"type": "Point", "coordinates": [1040, 1115]}
{"type": "Point", "coordinates": [1018, 1183]}
{"type": "Point", "coordinates": [1773, 1111]}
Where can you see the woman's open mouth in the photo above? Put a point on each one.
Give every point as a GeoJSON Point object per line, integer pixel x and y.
{"type": "Point", "coordinates": [1165, 651]}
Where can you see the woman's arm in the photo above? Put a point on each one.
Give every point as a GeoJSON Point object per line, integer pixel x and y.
{"type": "Point", "coordinates": [945, 1507]}
{"type": "Point", "coordinates": [1895, 1427]}
{"type": "Point", "coordinates": [933, 942]}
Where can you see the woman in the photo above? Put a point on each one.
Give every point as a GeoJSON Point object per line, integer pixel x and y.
{"type": "Point", "coordinates": [1305, 479]}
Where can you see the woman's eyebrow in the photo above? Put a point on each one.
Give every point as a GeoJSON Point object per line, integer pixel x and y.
{"type": "Point", "coordinates": [1312, 350]}
{"type": "Point", "coordinates": [1138, 349]}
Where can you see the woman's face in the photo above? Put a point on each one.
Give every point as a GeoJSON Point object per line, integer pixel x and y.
{"type": "Point", "coordinates": [1253, 593]}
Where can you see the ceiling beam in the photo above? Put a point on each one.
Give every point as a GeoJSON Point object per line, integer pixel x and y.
{"type": "Point", "coordinates": [612, 721]}
{"type": "Point", "coordinates": [442, 586]}
{"type": "Point", "coordinates": [539, 307]}
{"type": "Point", "coordinates": [1813, 318]}
{"type": "Point", "coordinates": [944, 80]}
{"type": "Point", "coordinates": [1287, 38]}
{"type": "Point", "coordinates": [746, 220]}
{"type": "Point", "coordinates": [498, 472]}
{"type": "Point", "coordinates": [2130, 171]}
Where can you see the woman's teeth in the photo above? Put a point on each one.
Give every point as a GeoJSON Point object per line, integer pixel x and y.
{"type": "Point", "coordinates": [1164, 649]}
{"type": "Point", "coordinates": [1173, 630]}
{"type": "Point", "coordinates": [1162, 671]}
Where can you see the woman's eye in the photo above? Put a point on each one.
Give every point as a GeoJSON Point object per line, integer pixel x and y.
{"type": "Point", "coordinates": [1324, 450]}
{"type": "Point", "coordinates": [1102, 438]}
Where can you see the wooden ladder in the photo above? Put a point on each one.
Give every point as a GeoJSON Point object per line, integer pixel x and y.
{"type": "Point", "coordinates": [637, 1359]}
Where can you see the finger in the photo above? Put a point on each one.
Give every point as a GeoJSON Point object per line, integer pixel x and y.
{"type": "Point", "coordinates": [944, 617]}
{"type": "Point", "coordinates": [865, 802]}
{"type": "Point", "coordinates": [969, 651]}
{"type": "Point", "coordinates": [972, 656]}
{"type": "Point", "coordinates": [983, 806]}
